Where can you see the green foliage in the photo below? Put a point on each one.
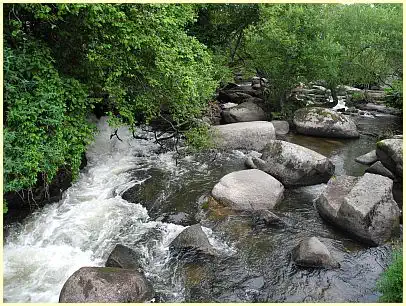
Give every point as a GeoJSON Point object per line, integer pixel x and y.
{"type": "Point", "coordinates": [62, 59]}
{"type": "Point", "coordinates": [340, 44]}
{"type": "Point", "coordinates": [391, 282]}
{"type": "Point", "coordinates": [394, 95]}
{"type": "Point", "coordinates": [199, 138]}
{"type": "Point", "coordinates": [43, 131]}
{"type": "Point", "coordinates": [358, 97]}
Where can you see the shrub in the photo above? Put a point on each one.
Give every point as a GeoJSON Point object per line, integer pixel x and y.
{"type": "Point", "coordinates": [391, 282]}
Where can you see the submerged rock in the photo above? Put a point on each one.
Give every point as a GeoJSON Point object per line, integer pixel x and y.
{"type": "Point", "coordinates": [368, 158]}
{"type": "Point", "coordinates": [247, 111]}
{"type": "Point", "coordinates": [310, 252]}
{"type": "Point", "coordinates": [268, 218]}
{"type": "Point", "coordinates": [362, 206]}
{"type": "Point", "coordinates": [192, 240]}
{"type": "Point", "coordinates": [106, 285]}
{"type": "Point", "coordinates": [248, 190]}
{"type": "Point", "coordinates": [252, 135]}
{"type": "Point", "coordinates": [294, 165]}
{"type": "Point", "coordinates": [324, 122]}
{"type": "Point", "coordinates": [123, 257]}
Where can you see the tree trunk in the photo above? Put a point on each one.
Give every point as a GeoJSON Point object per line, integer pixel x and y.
{"type": "Point", "coordinates": [334, 94]}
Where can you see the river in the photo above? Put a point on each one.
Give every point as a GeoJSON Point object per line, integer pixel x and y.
{"type": "Point", "coordinates": [254, 265]}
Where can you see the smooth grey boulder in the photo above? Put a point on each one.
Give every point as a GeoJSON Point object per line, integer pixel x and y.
{"type": "Point", "coordinates": [294, 165]}
{"type": "Point", "coordinates": [106, 285]}
{"type": "Point", "coordinates": [123, 257]}
{"type": "Point", "coordinates": [368, 158]}
{"type": "Point", "coordinates": [363, 206]}
{"type": "Point", "coordinates": [379, 168]}
{"type": "Point", "coordinates": [247, 111]}
{"type": "Point", "coordinates": [248, 190]}
{"type": "Point", "coordinates": [324, 122]}
{"type": "Point", "coordinates": [390, 153]}
{"type": "Point", "coordinates": [252, 135]}
{"type": "Point", "coordinates": [192, 240]}
{"type": "Point", "coordinates": [281, 127]}
{"type": "Point", "coordinates": [311, 253]}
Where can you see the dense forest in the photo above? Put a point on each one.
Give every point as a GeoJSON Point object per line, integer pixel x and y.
{"type": "Point", "coordinates": [144, 63]}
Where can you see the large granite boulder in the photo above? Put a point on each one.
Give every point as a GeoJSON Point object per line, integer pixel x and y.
{"type": "Point", "coordinates": [310, 252]}
{"type": "Point", "coordinates": [324, 122]}
{"type": "Point", "coordinates": [294, 165]}
{"type": "Point", "coordinates": [252, 135]}
{"type": "Point", "coordinates": [192, 240]}
{"type": "Point", "coordinates": [363, 206]}
{"type": "Point", "coordinates": [106, 285]}
{"type": "Point", "coordinates": [390, 153]}
{"type": "Point", "coordinates": [248, 190]}
{"type": "Point", "coordinates": [247, 111]}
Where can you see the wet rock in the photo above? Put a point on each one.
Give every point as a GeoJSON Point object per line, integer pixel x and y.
{"type": "Point", "coordinates": [281, 127]}
{"type": "Point", "coordinates": [106, 285]}
{"type": "Point", "coordinates": [248, 190]}
{"type": "Point", "coordinates": [149, 191]}
{"type": "Point", "coordinates": [123, 257]}
{"type": "Point", "coordinates": [192, 240]}
{"type": "Point", "coordinates": [380, 108]}
{"type": "Point", "coordinates": [324, 122]}
{"type": "Point", "coordinates": [390, 153]}
{"type": "Point", "coordinates": [228, 105]}
{"type": "Point", "coordinates": [252, 135]}
{"type": "Point", "coordinates": [310, 252]}
{"type": "Point", "coordinates": [180, 218]}
{"type": "Point", "coordinates": [362, 206]}
{"type": "Point", "coordinates": [379, 168]}
{"type": "Point", "coordinates": [247, 111]}
{"type": "Point", "coordinates": [239, 94]}
{"type": "Point", "coordinates": [266, 217]}
{"type": "Point", "coordinates": [368, 158]}
{"type": "Point", "coordinates": [294, 165]}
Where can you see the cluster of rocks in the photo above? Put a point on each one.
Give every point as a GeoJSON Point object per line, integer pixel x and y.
{"type": "Point", "coordinates": [122, 280]}
{"type": "Point", "coordinates": [362, 206]}
{"type": "Point", "coordinates": [240, 102]}
{"type": "Point", "coordinates": [386, 159]}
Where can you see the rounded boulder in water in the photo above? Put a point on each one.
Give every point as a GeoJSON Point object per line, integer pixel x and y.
{"type": "Point", "coordinates": [106, 285]}
{"type": "Point", "coordinates": [310, 252]}
{"type": "Point", "coordinates": [192, 239]}
{"type": "Point", "coordinates": [248, 190]}
{"type": "Point", "coordinates": [324, 122]}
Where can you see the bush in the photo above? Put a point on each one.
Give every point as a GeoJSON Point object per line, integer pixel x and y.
{"type": "Point", "coordinates": [391, 282]}
{"type": "Point", "coordinates": [394, 95]}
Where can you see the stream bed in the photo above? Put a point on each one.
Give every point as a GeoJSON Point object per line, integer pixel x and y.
{"type": "Point", "coordinates": [254, 263]}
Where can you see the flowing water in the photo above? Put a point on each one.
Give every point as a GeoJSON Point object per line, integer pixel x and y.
{"type": "Point", "coordinates": [254, 263]}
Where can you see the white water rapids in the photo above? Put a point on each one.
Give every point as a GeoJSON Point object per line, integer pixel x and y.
{"type": "Point", "coordinates": [83, 228]}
